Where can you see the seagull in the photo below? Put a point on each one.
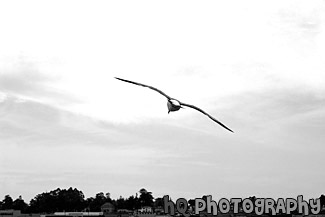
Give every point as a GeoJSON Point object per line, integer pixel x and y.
{"type": "Point", "coordinates": [174, 104]}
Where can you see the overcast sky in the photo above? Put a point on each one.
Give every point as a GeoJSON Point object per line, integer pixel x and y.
{"type": "Point", "coordinates": [257, 66]}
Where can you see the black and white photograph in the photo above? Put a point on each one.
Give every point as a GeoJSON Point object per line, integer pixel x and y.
{"type": "Point", "coordinates": [162, 108]}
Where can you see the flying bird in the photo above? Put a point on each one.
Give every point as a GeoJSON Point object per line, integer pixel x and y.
{"type": "Point", "coordinates": [174, 104]}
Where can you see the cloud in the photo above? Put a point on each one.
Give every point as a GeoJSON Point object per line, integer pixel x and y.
{"type": "Point", "coordinates": [301, 20]}
{"type": "Point", "coordinates": [33, 123]}
{"type": "Point", "coordinates": [24, 79]}
{"type": "Point", "coordinates": [287, 118]}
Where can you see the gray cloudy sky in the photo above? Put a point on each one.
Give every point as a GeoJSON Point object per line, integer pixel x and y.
{"type": "Point", "coordinates": [257, 66]}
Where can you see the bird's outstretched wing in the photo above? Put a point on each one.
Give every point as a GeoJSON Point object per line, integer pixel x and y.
{"type": "Point", "coordinates": [200, 110]}
{"type": "Point", "coordinates": [143, 85]}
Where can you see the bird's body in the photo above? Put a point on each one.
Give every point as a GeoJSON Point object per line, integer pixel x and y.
{"type": "Point", "coordinates": [174, 104]}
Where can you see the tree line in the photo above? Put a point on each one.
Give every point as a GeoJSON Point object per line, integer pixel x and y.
{"type": "Point", "coordinates": [73, 200]}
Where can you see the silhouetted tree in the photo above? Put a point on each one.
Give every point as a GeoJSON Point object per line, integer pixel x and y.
{"type": "Point", "coordinates": [108, 197]}
{"type": "Point", "coordinates": [146, 198]}
{"type": "Point", "coordinates": [159, 202]}
{"type": "Point", "coordinates": [132, 203]}
{"type": "Point", "coordinates": [7, 202]}
{"type": "Point", "coordinates": [44, 203]}
{"type": "Point", "coordinates": [95, 204]}
{"type": "Point", "coordinates": [120, 203]}
{"type": "Point", "coordinates": [19, 204]}
{"type": "Point", "coordinates": [58, 200]}
{"type": "Point", "coordinates": [143, 191]}
{"type": "Point", "coordinates": [71, 200]}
